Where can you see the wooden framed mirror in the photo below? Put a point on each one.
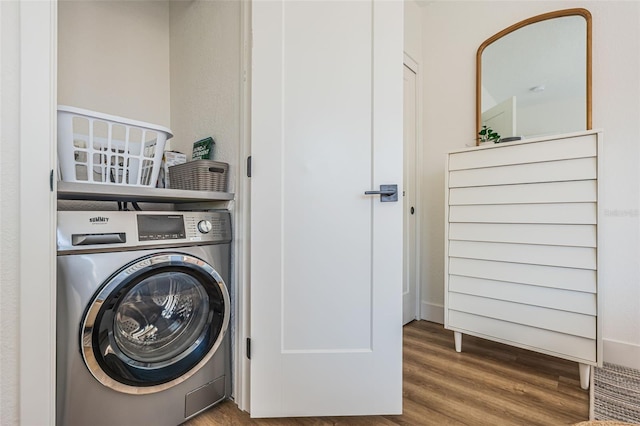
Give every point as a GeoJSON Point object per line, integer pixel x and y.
{"type": "Point", "coordinates": [534, 77]}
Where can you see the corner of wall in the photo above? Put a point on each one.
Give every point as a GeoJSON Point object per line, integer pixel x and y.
{"type": "Point", "coordinates": [621, 353]}
{"type": "Point", "coordinates": [433, 312]}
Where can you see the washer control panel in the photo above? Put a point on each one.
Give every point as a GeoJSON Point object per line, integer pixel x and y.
{"type": "Point", "coordinates": [156, 227]}
{"type": "Point", "coordinates": [81, 230]}
{"type": "Point", "coordinates": [205, 226]}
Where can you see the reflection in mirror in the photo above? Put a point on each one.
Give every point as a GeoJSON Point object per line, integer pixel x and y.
{"type": "Point", "coordinates": [534, 78]}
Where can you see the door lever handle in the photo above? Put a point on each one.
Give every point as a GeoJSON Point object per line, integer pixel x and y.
{"type": "Point", "coordinates": [388, 193]}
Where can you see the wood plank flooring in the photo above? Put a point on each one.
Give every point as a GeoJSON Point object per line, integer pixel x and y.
{"type": "Point", "coordinates": [487, 384]}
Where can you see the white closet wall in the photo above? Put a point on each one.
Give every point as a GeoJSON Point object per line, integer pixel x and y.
{"type": "Point", "coordinates": [113, 57]}
{"type": "Point", "coordinates": [206, 77]}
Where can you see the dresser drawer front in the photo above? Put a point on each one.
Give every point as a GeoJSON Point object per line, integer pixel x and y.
{"type": "Point", "coordinates": [550, 342]}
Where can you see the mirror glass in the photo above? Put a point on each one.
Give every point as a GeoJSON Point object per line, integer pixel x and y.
{"type": "Point", "coordinates": [534, 78]}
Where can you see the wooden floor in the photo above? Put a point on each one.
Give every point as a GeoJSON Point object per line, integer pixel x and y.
{"type": "Point", "coordinates": [487, 384]}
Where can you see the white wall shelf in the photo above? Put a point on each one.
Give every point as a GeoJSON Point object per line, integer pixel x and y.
{"type": "Point", "coordinates": [101, 192]}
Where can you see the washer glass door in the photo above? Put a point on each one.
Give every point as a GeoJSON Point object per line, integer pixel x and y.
{"type": "Point", "coordinates": [155, 323]}
{"type": "Point", "coordinates": [161, 318]}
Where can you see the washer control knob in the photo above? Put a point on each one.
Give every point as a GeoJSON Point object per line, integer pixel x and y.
{"type": "Point", "coordinates": [204, 226]}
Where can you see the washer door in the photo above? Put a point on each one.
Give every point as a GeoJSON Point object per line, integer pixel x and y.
{"type": "Point", "coordinates": [154, 323]}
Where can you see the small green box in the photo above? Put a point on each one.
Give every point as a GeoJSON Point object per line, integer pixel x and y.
{"type": "Point", "coordinates": [203, 149]}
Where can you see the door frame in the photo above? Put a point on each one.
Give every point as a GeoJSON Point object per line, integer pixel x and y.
{"type": "Point", "coordinates": [242, 228]}
{"type": "Point", "coordinates": [414, 66]}
{"type": "Point", "coordinates": [36, 396]}
{"type": "Point", "coordinates": [38, 27]}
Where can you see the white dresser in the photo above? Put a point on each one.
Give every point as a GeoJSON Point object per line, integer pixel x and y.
{"type": "Point", "coordinates": [521, 255]}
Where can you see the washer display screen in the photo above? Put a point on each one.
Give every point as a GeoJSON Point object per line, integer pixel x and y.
{"type": "Point", "coordinates": [160, 227]}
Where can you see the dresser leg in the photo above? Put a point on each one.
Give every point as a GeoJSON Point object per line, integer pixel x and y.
{"type": "Point", "coordinates": [585, 370]}
{"type": "Point", "coordinates": [457, 338]}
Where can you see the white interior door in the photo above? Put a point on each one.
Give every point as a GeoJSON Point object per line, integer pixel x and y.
{"type": "Point", "coordinates": [502, 117]}
{"type": "Point", "coordinates": [326, 260]}
{"type": "Point", "coordinates": [409, 284]}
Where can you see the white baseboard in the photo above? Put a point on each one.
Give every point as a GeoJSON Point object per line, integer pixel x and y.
{"type": "Point", "coordinates": [432, 312]}
{"type": "Point", "coordinates": [621, 353]}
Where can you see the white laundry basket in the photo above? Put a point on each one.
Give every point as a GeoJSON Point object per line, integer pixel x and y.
{"type": "Point", "coordinates": [99, 148]}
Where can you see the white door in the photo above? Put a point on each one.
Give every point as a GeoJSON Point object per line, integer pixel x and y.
{"type": "Point", "coordinates": [326, 260]}
{"type": "Point", "coordinates": [502, 117]}
{"type": "Point", "coordinates": [410, 284]}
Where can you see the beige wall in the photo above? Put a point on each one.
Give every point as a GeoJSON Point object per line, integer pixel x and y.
{"type": "Point", "coordinates": [413, 30]}
{"type": "Point", "coordinates": [113, 57]}
{"type": "Point", "coordinates": [206, 78]}
{"type": "Point", "coordinates": [452, 31]}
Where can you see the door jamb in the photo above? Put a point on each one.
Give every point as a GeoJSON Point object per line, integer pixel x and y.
{"type": "Point", "coordinates": [37, 209]}
{"type": "Point", "coordinates": [242, 365]}
{"type": "Point", "coordinates": [414, 66]}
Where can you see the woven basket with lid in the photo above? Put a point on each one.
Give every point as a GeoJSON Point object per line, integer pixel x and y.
{"type": "Point", "coordinates": [199, 175]}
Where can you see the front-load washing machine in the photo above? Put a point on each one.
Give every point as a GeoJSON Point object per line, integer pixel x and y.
{"type": "Point", "coordinates": [142, 316]}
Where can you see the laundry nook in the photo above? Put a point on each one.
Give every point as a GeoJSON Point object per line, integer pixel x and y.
{"type": "Point", "coordinates": [245, 212]}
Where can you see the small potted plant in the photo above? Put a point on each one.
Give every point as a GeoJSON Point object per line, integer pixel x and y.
{"type": "Point", "coordinates": [487, 134]}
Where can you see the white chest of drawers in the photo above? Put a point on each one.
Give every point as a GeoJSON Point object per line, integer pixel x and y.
{"type": "Point", "coordinates": [521, 246]}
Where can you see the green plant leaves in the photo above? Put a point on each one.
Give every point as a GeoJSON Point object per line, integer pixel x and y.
{"type": "Point", "coordinates": [487, 134]}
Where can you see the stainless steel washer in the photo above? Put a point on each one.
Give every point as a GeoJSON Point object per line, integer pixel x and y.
{"type": "Point", "coordinates": [143, 312]}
